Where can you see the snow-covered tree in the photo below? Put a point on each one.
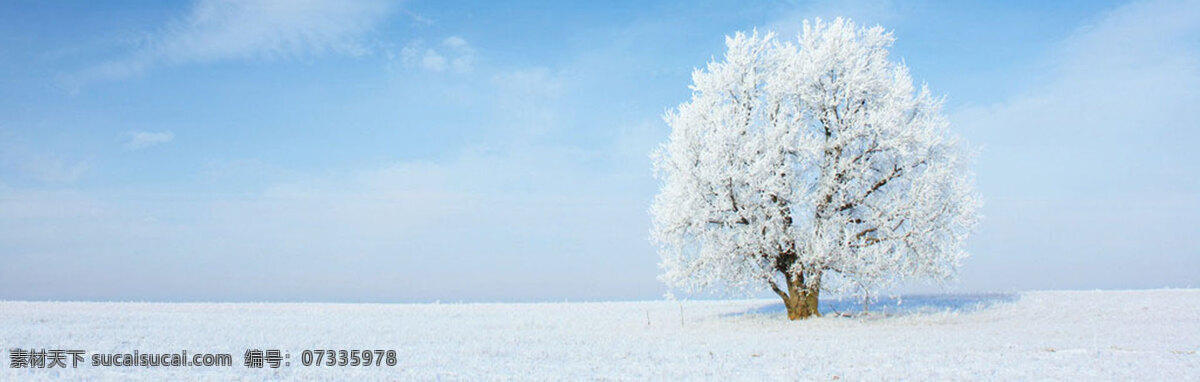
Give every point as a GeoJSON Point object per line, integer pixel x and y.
{"type": "Point", "coordinates": [810, 165]}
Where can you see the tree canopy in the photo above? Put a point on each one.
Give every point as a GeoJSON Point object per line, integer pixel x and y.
{"type": "Point", "coordinates": [810, 165]}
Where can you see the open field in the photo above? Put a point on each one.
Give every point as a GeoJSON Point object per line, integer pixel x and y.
{"type": "Point", "coordinates": [1068, 335]}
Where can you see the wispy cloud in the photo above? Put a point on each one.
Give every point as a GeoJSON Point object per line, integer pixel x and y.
{"type": "Point", "coordinates": [380, 230]}
{"type": "Point", "coordinates": [1097, 161]}
{"type": "Point", "coordinates": [418, 19]}
{"type": "Point", "coordinates": [223, 30]}
{"type": "Point", "coordinates": [453, 54]}
{"type": "Point", "coordinates": [54, 169]}
{"type": "Point", "coordinates": [137, 140]}
{"type": "Point", "coordinates": [1121, 92]}
{"type": "Point", "coordinates": [529, 101]}
{"type": "Point", "coordinates": [41, 165]}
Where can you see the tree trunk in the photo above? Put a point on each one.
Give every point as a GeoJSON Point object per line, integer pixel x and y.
{"type": "Point", "coordinates": [801, 299]}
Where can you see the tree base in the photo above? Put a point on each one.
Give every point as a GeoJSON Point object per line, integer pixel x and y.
{"type": "Point", "coordinates": [802, 302]}
{"type": "Point", "coordinates": [801, 314]}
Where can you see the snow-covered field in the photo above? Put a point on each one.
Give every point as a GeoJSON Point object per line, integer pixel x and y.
{"type": "Point", "coordinates": [1086, 335]}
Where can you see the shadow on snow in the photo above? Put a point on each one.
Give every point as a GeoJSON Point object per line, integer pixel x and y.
{"type": "Point", "coordinates": [925, 303]}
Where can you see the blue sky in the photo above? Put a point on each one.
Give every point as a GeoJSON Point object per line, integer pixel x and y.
{"type": "Point", "coordinates": [326, 150]}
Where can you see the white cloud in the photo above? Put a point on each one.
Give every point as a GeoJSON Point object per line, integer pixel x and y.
{"type": "Point", "coordinates": [434, 61]}
{"type": "Point", "coordinates": [453, 54]}
{"type": "Point", "coordinates": [137, 140]}
{"type": "Point", "coordinates": [464, 55]}
{"type": "Point", "coordinates": [222, 30]}
{"type": "Point", "coordinates": [455, 42]}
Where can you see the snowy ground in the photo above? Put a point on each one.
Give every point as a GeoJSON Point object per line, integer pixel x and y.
{"type": "Point", "coordinates": [1095, 335]}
